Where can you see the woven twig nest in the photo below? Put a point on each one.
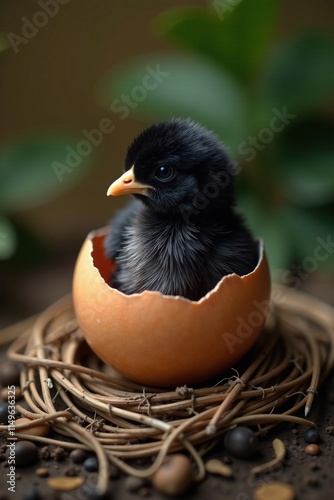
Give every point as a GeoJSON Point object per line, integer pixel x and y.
{"type": "Point", "coordinates": [65, 384]}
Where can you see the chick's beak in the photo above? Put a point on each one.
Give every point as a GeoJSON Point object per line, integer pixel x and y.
{"type": "Point", "coordinates": [127, 184]}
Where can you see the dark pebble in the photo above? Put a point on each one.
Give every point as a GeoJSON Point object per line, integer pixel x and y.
{"type": "Point", "coordinates": [241, 442]}
{"type": "Point", "coordinates": [312, 436]}
{"type": "Point", "coordinates": [91, 464]}
{"type": "Point", "coordinates": [9, 374]}
{"type": "Point", "coordinates": [78, 456]}
{"type": "Point", "coordinates": [31, 495]}
{"type": "Point", "coordinates": [26, 453]}
{"type": "Point", "coordinates": [3, 414]}
{"type": "Point", "coordinates": [134, 484]}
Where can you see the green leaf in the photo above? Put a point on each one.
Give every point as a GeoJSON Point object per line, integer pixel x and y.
{"type": "Point", "coordinates": [300, 74]}
{"type": "Point", "coordinates": [267, 223]}
{"type": "Point", "coordinates": [34, 171]}
{"type": "Point", "coordinates": [235, 35]}
{"type": "Point", "coordinates": [308, 229]}
{"type": "Point", "coordinates": [8, 238]}
{"type": "Point", "coordinates": [188, 86]}
{"type": "Point", "coordinates": [306, 162]}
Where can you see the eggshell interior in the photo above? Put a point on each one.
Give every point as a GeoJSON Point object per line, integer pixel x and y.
{"type": "Point", "coordinates": [167, 341]}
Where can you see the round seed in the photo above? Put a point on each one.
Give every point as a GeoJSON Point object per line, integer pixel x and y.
{"type": "Point", "coordinates": [274, 491]}
{"type": "Point", "coordinates": [65, 483]}
{"type": "Point", "coordinates": [42, 472]}
{"type": "Point", "coordinates": [174, 476]}
{"type": "Point", "coordinates": [312, 449]}
{"type": "Point", "coordinates": [78, 456]}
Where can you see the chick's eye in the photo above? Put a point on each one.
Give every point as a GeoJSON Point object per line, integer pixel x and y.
{"type": "Point", "coordinates": [164, 173]}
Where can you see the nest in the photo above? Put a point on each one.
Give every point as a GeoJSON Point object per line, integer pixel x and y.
{"type": "Point", "coordinates": [63, 383]}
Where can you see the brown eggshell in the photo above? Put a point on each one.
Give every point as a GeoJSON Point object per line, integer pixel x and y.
{"type": "Point", "coordinates": [162, 340]}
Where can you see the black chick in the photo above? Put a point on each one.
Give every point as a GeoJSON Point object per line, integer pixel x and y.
{"type": "Point", "coordinates": [181, 234]}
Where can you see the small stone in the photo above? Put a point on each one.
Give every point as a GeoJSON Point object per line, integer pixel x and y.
{"type": "Point", "coordinates": [133, 484]}
{"type": "Point", "coordinates": [91, 464]}
{"type": "Point", "coordinates": [78, 456]}
{"type": "Point", "coordinates": [174, 476]}
{"type": "Point", "coordinates": [58, 454]}
{"type": "Point", "coordinates": [40, 429]}
{"type": "Point", "coordinates": [25, 453]}
{"type": "Point", "coordinates": [44, 453]}
{"type": "Point", "coordinates": [274, 491]}
{"type": "Point", "coordinates": [9, 374]}
{"type": "Point", "coordinates": [65, 483]}
{"type": "Point", "coordinates": [312, 449]}
{"type": "Point", "coordinates": [42, 472]}
{"type": "Point", "coordinates": [241, 442]}
{"type": "Point", "coordinates": [312, 436]}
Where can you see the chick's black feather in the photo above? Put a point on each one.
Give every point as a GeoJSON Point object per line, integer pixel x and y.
{"type": "Point", "coordinates": [185, 235]}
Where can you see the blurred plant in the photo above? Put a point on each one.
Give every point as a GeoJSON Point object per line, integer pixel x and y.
{"type": "Point", "coordinates": [231, 79]}
{"type": "Point", "coordinates": [28, 179]}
